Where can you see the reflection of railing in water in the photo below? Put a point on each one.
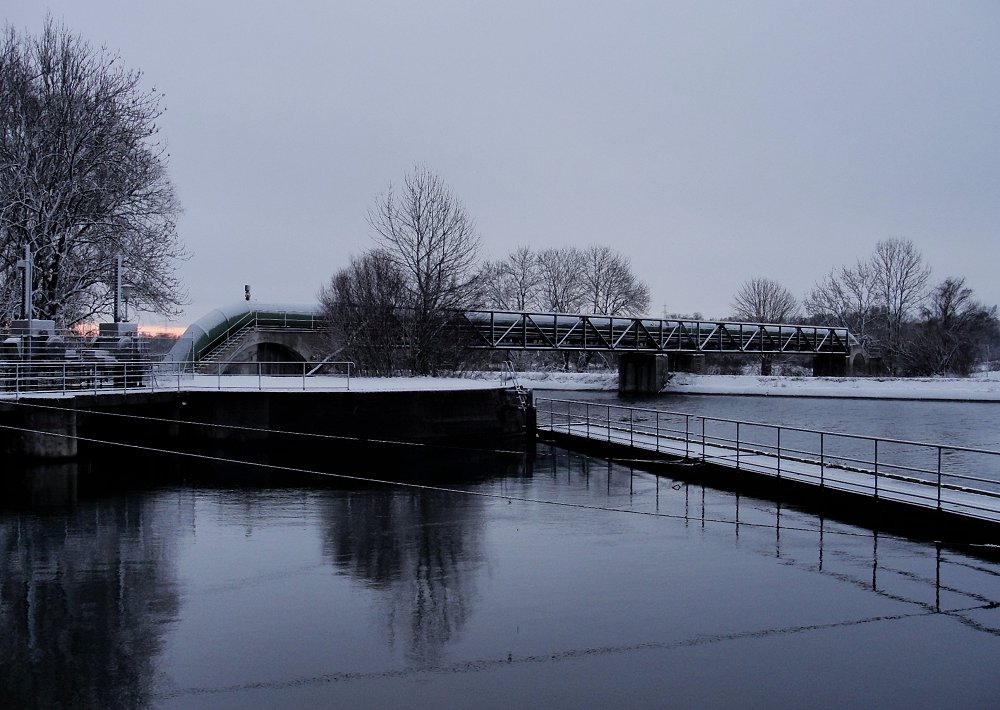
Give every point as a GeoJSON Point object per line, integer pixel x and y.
{"type": "Point", "coordinates": [848, 554]}
{"type": "Point", "coordinates": [930, 475]}
{"type": "Point", "coordinates": [75, 376]}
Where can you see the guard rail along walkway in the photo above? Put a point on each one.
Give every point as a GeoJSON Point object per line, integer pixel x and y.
{"type": "Point", "coordinates": [944, 480]}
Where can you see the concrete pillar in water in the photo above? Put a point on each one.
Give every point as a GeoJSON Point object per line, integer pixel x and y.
{"type": "Point", "coordinates": [687, 362]}
{"type": "Point", "coordinates": [642, 373]}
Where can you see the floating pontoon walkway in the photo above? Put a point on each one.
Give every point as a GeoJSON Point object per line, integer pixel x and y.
{"type": "Point", "coordinates": [948, 484]}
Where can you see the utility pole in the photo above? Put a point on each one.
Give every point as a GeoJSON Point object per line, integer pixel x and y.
{"type": "Point", "coordinates": [25, 265]}
{"type": "Point", "coordinates": [118, 287]}
{"type": "Point", "coordinates": [27, 311]}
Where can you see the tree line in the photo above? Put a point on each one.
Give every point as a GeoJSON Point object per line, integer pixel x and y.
{"type": "Point", "coordinates": [394, 306]}
{"type": "Point", "coordinates": [911, 325]}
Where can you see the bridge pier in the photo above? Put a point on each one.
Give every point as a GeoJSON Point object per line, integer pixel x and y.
{"type": "Point", "coordinates": [828, 365]}
{"type": "Point", "coordinates": [642, 373]}
{"type": "Point", "coordinates": [687, 362]}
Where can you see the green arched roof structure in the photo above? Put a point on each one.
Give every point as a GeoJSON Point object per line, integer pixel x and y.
{"type": "Point", "coordinates": [214, 327]}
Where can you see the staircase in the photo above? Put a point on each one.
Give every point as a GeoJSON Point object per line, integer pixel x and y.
{"type": "Point", "coordinates": [509, 377]}
{"type": "Point", "coordinates": [209, 364]}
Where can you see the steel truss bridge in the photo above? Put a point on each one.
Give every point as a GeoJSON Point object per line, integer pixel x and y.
{"type": "Point", "coordinates": [508, 330]}
{"type": "Point", "coordinates": [534, 331]}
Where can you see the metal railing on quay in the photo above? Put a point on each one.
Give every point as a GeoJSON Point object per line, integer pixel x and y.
{"type": "Point", "coordinates": [19, 379]}
{"type": "Point", "coordinates": [922, 473]}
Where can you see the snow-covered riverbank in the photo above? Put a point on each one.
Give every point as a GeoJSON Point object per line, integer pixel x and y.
{"type": "Point", "coordinates": [976, 388]}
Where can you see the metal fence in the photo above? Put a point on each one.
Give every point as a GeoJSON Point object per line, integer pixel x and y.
{"type": "Point", "coordinates": [955, 478]}
{"type": "Point", "coordinates": [19, 379]}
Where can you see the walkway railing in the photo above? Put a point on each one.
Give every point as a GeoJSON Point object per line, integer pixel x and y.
{"type": "Point", "coordinates": [19, 379]}
{"type": "Point", "coordinates": [953, 478]}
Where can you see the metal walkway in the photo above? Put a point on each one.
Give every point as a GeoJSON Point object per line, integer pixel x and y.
{"type": "Point", "coordinates": [507, 330]}
{"type": "Point", "coordinates": [945, 478]}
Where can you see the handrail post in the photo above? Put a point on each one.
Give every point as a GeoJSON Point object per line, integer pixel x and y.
{"type": "Point", "coordinates": [779, 453]}
{"type": "Point", "coordinates": [631, 427]}
{"type": "Point", "coordinates": [218, 375]}
{"type": "Point", "coordinates": [939, 479]}
{"type": "Point", "coordinates": [687, 430]}
{"type": "Point", "coordinates": [125, 377]}
{"type": "Point", "coordinates": [260, 378]}
{"type": "Point", "coordinates": [609, 423]}
{"type": "Point", "coordinates": [64, 376]}
{"type": "Point", "coordinates": [822, 463]}
{"type": "Point", "coordinates": [703, 439]}
{"type": "Point", "coordinates": [737, 446]}
{"type": "Point", "coordinates": [17, 380]}
{"type": "Point", "coordinates": [303, 375]}
{"type": "Point", "coordinates": [876, 469]}
{"type": "Point", "coordinates": [657, 431]}
{"type": "Point", "coordinates": [587, 415]}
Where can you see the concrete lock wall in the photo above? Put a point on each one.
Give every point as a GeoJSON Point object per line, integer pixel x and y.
{"type": "Point", "coordinates": [187, 420]}
{"type": "Point", "coordinates": [43, 429]}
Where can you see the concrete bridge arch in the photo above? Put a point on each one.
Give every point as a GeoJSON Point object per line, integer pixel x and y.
{"type": "Point", "coordinates": [251, 337]}
{"type": "Point", "coordinates": [272, 352]}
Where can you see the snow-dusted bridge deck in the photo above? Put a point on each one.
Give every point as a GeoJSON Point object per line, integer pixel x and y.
{"type": "Point", "coordinates": [956, 480]}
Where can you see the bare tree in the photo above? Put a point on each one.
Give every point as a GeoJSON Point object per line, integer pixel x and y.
{"type": "Point", "coordinates": [366, 305]}
{"type": "Point", "coordinates": [430, 237]}
{"type": "Point", "coordinates": [762, 300]}
{"type": "Point", "coordinates": [525, 281]}
{"type": "Point", "coordinates": [82, 178]}
{"type": "Point", "coordinates": [848, 296]}
{"type": "Point", "coordinates": [560, 272]}
{"type": "Point", "coordinates": [511, 283]}
{"type": "Point", "coordinates": [901, 278]}
{"type": "Point", "coordinates": [953, 331]}
{"type": "Point", "coordinates": [612, 288]}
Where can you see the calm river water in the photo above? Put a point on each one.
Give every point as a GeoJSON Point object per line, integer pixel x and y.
{"type": "Point", "coordinates": [563, 582]}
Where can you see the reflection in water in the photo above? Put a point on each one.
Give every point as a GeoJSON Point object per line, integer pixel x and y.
{"type": "Point", "coordinates": [891, 567]}
{"type": "Point", "coordinates": [423, 548]}
{"type": "Point", "coordinates": [38, 486]}
{"type": "Point", "coordinates": [639, 584]}
{"type": "Point", "coordinates": [84, 598]}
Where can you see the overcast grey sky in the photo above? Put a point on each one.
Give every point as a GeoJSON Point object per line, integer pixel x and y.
{"type": "Point", "coordinates": [710, 142]}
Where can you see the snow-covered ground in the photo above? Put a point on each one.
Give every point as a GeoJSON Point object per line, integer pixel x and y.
{"type": "Point", "coordinates": [940, 388]}
{"type": "Point", "coordinates": [976, 388]}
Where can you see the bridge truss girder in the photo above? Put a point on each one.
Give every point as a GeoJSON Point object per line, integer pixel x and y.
{"type": "Point", "coordinates": [509, 330]}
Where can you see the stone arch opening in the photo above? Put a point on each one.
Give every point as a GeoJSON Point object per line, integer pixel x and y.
{"type": "Point", "coordinates": [859, 365]}
{"type": "Point", "coordinates": [266, 358]}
